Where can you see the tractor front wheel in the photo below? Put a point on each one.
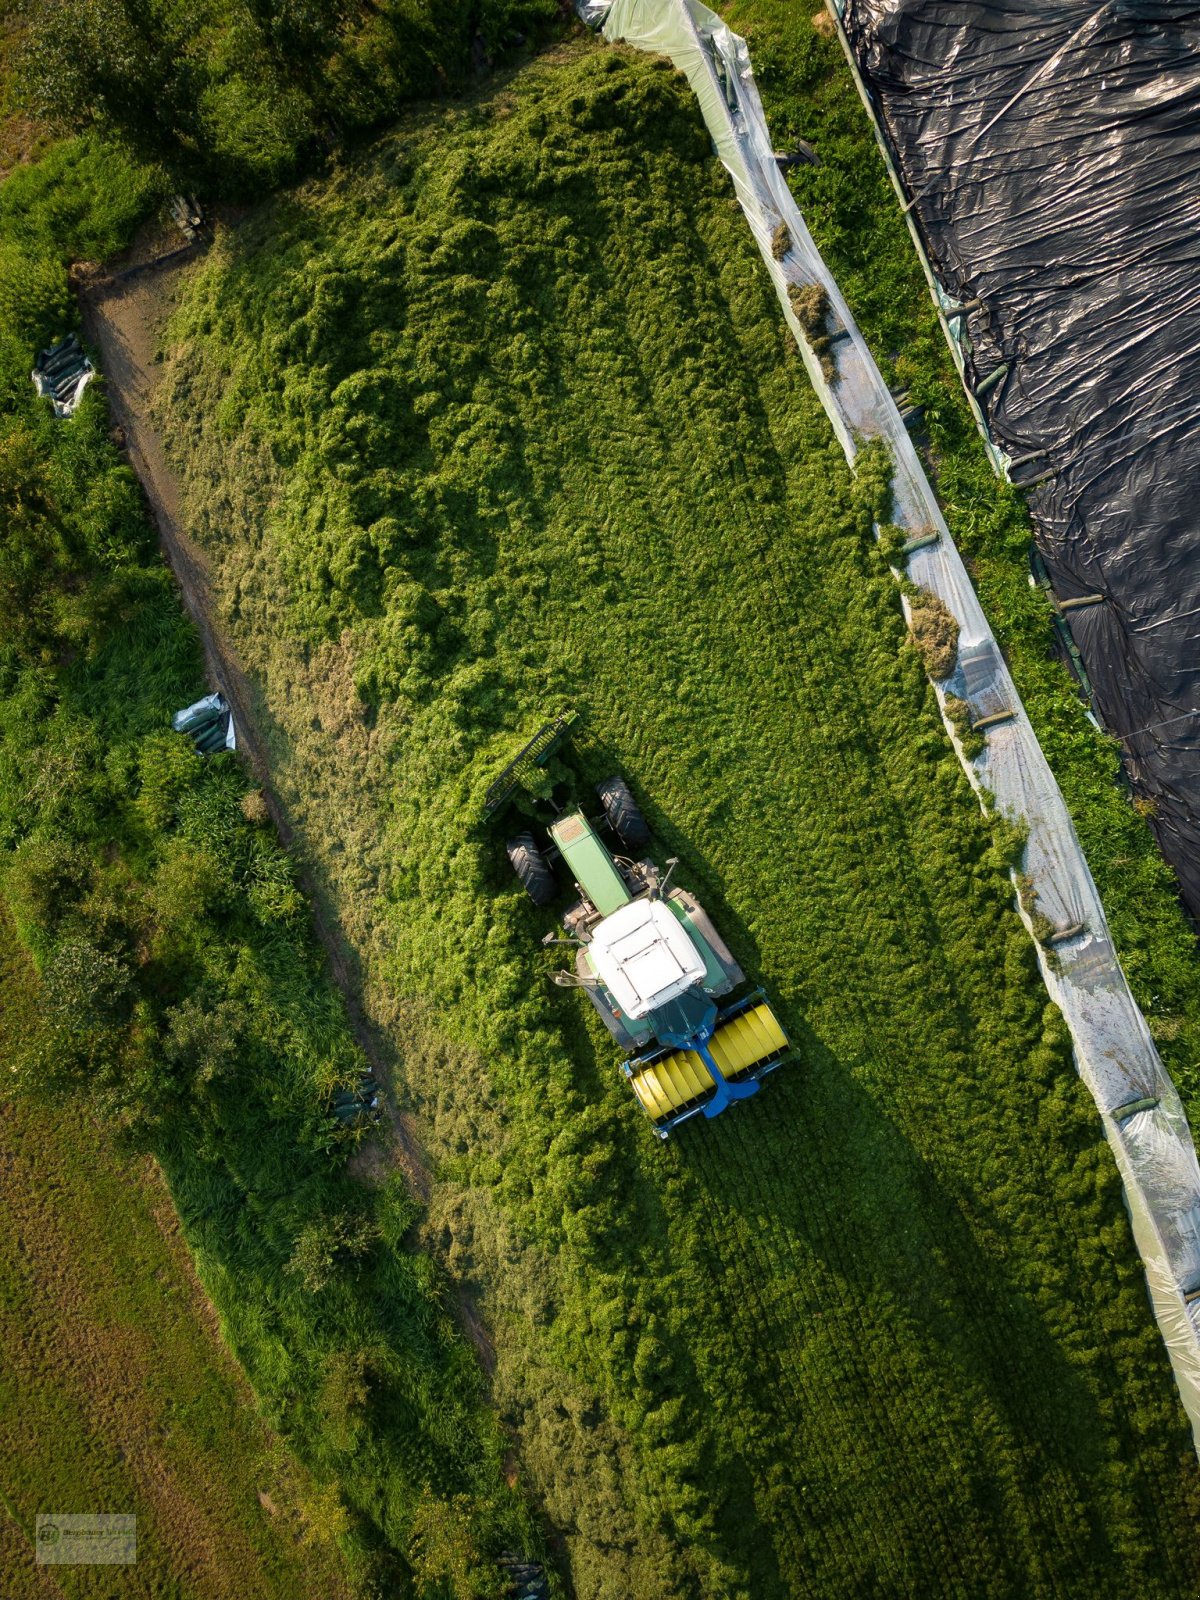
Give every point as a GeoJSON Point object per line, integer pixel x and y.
{"type": "Point", "coordinates": [534, 871]}
{"type": "Point", "coordinates": [623, 813]}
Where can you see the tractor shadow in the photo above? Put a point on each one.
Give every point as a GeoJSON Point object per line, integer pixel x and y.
{"type": "Point", "coordinates": [833, 1180]}
{"type": "Point", "coordinates": [813, 1179]}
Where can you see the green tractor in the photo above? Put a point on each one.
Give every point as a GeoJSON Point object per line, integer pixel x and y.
{"type": "Point", "coordinates": [646, 953]}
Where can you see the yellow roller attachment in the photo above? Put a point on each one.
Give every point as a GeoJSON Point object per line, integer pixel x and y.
{"type": "Point", "coordinates": [738, 1046]}
{"type": "Point", "coordinates": [669, 1084]}
{"type": "Point", "coordinates": [746, 1040]}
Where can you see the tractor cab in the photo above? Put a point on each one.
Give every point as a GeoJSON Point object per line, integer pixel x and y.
{"type": "Point", "coordinates": [644, 957]}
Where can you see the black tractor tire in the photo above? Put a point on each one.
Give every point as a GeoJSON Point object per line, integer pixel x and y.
{"type": "Point", "coordinates": [534, 871]}
{"type": "Point", "coordinates": [623, 813]}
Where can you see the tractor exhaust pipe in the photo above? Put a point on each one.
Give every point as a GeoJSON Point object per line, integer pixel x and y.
{"type": "Point", "coordinates": [672, 863]}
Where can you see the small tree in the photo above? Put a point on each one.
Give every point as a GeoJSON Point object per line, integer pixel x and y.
{"type": "Point", "coordinates": [202, 1041]}
{"type": "Point", "coordinates": [324, 1515]}
{"type": "Point", "coordinates": [444, 1551]}
{"type": "Point", "coordinates": [86, 989]}
{"type": "Point", "coordinates": [328, 1242]}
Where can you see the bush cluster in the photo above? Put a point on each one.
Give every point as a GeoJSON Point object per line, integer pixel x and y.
{"type": "Point", "coordinates": [236, 95]}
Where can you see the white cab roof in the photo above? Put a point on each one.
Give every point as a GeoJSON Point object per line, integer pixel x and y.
{"type": "Point", "coordinates": [643, 954]}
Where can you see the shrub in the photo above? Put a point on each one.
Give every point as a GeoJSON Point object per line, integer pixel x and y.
{"type": "Point", "coordinates": [328, 1243]}
{"type": "Point", "coordinates": [324, 1515]}
{"type": "Point", "coordinates": [190, 886]}
{"type": "Point", "coordinates": [86, 988]}
{"type": "Point", "coordinates": [46, 879]}
{"type": "Point", "coordinates": [345, 1390]}
{"type": "Point", "coordinates": [241, 94]}
{"type": "Point", "coordinates": [168, 770]}
{"type": "Point", "coordinates": [81, 200]}
{"type": "Point", "coordinates": [35, 302]}
{"type": "Point", "coordinates": [446, 1560]}
{"type": "Point", "coordinates": [202, 1039]}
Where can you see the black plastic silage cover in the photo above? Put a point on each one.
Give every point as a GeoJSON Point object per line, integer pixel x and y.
{"type": "Point", "coordinates": [1054, 150]}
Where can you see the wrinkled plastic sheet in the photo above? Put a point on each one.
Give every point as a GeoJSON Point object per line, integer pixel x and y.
{"type": "Point", "coordinates": [1115, 1055]}
{"type": "Point", "coordinates": [1053, 153]}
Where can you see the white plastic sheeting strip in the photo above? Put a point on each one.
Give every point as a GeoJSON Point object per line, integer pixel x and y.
{"type": "Point", "coordinates": [1114, 1052]}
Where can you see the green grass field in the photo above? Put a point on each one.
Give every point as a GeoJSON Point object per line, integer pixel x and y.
{"type": "Point", "coordinates": [115, 1392]}
{"type": "Point", "coordinates": [503, 418]}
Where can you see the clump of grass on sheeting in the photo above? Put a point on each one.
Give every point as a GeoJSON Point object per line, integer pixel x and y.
{"type": "Point", "coordinates": [1041, 926]}
{"type": "Point", "coordinates": [810, 302]}
{"type": "Point", "coordinates": [973, 742]}
{"type": "Point", "coordinates": [934, 629]}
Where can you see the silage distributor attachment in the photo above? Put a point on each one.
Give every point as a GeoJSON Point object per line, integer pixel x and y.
{"type": "Point", "coordinates": [707, 1072]}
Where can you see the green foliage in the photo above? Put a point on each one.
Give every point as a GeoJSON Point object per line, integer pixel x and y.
{"type": "Point", "coordinates": [325, 1515]}
{"type": "Point", "coordinates": [328, 1243]}
{"type": "Point", "coordinates": [83, 199]}
{"type": "Point", "coordinates": [446, 1559]}
{"type": "Point", "coordinates": [34, 297]}
{"type": "Point", "coordinates": [85, 988]}
{"type": "Point", "coordinates": [535, 436]}
{"type": "Point", "coordinates": [202, 1039]}
{"type": "Point", "coordinates": [345, 1390]}
{"type": "Point", "coordinates": [181, 998]}
{"type": "Point", "coordinates": [237, 94]}
{"type": "Point", "coordinates": [71, 510]}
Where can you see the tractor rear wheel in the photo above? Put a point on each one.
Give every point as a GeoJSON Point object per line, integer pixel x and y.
{"type": "Point", "coordinates": [534, 871]}
{"type": "Point", "coordinates": [623, 813]}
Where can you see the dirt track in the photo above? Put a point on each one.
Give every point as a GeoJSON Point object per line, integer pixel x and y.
{"type": "Point", "coordinates": [123, 317]}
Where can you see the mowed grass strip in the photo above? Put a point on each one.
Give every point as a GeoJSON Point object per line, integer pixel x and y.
{"type": "Point", "coordinates": [505, 418]}
{"type": "Point", "coordinates": [115, 1393]}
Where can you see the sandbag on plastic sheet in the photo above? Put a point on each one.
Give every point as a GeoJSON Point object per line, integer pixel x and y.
{"type": "Point", "coordinates": [208, 723]}
{"type": "Point", "coordinates": [62, 372]}
{"type": "Point", "coordinates": [1053, 151]}
{"type": "Point", "coordinates": [1114, 1052]}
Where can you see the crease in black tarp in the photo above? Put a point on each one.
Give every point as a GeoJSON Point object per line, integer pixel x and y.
{"type": "Point", "coordinates": [1054, 153]}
